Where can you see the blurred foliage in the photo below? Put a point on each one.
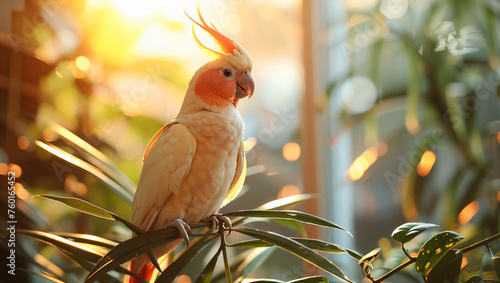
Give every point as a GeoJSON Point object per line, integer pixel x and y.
{"type": "Point", "coordinates": [435, 68]}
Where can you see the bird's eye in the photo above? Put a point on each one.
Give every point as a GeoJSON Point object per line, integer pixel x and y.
{"type": "Point", "coordinates": [227, 73]}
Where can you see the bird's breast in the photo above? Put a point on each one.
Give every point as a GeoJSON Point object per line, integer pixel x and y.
{"type": "Point", "coordinates": [218, 137]}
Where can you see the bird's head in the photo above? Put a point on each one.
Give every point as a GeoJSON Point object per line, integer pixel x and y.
{"type": "Point", "coordinates": [228, 76]}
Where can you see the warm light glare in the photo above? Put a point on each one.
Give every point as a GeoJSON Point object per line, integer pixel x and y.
{"type": "Point", "coordinates": [72, 185]}
{"type": "Point", "coordinates": [426, 163]}
{"type": "Point", "coordinates": [49, 135]}
{"type": "Point", "coordinates": [498, 194]}
{"type": "Point", "coordinates": [249, 143]}
{"type": "Point", "coordinates": [498, 137]}
{"type": "Point", "coordinates": [4, 169]}
{"type": "Point", "coordinates": [288, 190]}
{"type": "Point", "coordinates": [40, 259]}
{"type": "Point", "coordinates": [21, 192]}
{"type": "Point", "coordinates": [464, 262]}
{"type": "Point", "coordinates": [17, 171]}
{"type": "Point", "coordinates": [184, 279]}
{"type": "Point", "coordinates": [291, 151]}
{"type": "Point", "coordinates": [23, 142]}
{"type": "Point", "coordinates": [381, 148]}
{"type": "Point", "coordinates": [362, 163]}
{"type": "Point", "coordinates": [468, 212]}
{"type": "Point", "coordinates": [75, 71]}
{"type": "Point", "coordinates": [82, 63]}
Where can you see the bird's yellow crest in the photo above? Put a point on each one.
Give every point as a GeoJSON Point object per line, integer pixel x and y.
{"type": "Point", "coordinates": [228, 48]}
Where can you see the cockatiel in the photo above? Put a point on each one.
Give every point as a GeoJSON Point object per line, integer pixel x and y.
{"type": "Point", "coordinates": [196, 164]}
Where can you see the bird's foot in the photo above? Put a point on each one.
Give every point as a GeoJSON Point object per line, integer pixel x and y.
{"type": "Point", "coordinates": [217, 219]}
{"type": "Point", "coordinates": [182, 227]}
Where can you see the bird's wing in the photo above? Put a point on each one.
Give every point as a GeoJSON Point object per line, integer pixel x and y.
{"type": "Point", "coordinates": [155, 138]}
{"type": "Point", "coordinates": [167, 162]}
{"type": "Point", "coordinates": [239, 176]}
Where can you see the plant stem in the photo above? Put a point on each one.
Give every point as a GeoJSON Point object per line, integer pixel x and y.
{"type": "Point", "coordinates": [405, 251]}
{"type": "Point", "coordinates": [414, 259]}
{"type": "Point", "coordinates": [395, 270]}
{"type": "Point", "coordinates": [480, 243]}
{"type": "Point", "coordinates": [224, 252]}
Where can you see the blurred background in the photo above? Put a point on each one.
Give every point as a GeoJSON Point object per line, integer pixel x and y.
{"type": "Point", "coordinates": [387, 110]}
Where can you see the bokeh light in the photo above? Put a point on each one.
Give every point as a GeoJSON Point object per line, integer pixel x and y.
{"type": "Point", "coordinates": [468, 212]}
{"type": "Point", "coordinates": [288, 191]}
{"type": "Point", "coordinates": [359, 94]}
{"type": "Point", "coordinates": [82, 63]}
{"type": "Point", "coordinates": [426, 163]}
{"type": "Point", "coordinates": [291, 151]}
{"type": "Point", "coordinates": [362, 163]}
{"type": "Point", "coordinates": [23, 142]}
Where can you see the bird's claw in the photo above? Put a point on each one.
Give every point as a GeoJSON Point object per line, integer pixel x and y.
{"type": "Point", "coordinates": [216, 220]}
{"type": "Point", "coordinates": [183, 228]}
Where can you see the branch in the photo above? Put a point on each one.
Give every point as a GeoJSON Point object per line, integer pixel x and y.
{"type": "Point", "coordinates": [480, 243]}
{"type": "Point", "coordinates": [414, 259]}
{"type": "Point", "coordinates": [395, 270]}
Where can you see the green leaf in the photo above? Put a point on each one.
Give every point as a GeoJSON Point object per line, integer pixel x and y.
{"type": "Point", "coordinates": [434, 249]}
{"type": "Point", "coordinates": [63, 244]}
{"type": "Point", "coordinates": [264, 281]}
{"type": "Point", "coordinates": [475, 279]}
{"type": "Point", "coordinates": [312, 279]}
{"type": "Point", "coordinates": [285, 202]}
{"type": "Point", "coordinates": [88, 239]}
{"type": "Point", "coordinates": [366, 261]}
{"type": "Point", "coordinates": [82, 206]}
{"type": "Point", "coordinates": [296, 248]}
{"type": "Point", "coordinates": [292, 224]}
{"type": "Point", "coordinates": [94, 156]}
{"type": "Point", "coordinates": [286, 214]}
{"type": "Point", "coordinates": [43, 275]}
{"type": "Point", "coordinates": [115, 187]}
{"type": "Point", "coordinates": [255, 259]}
{"type": "Point", "coordinates": [178, 265]}
{"type": "Point", "coordinates": [496, 262]}
{"type": "Point", "coordinates": [314, 244]}
{"type": "Point", "coordinates": [130, 249]}
{"type": "Point", "coordinates": [92, 209]}
{"type": "Point", "coordinates": [447, 269]}
{"type": "Point", "coordinates": [208, 271]}
{"type": "Point", "coordinates": [408, 231]}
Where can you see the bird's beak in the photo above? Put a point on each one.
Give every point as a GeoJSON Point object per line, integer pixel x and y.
{"type": "Point", "coordinates": [244, 86]}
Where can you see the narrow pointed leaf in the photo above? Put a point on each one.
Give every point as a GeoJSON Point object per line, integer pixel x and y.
{"type": "Point", "coordinates": [285, 202]}
{"type": "Point", "coordinates": [115, 187]}
{"type": "Point", "coordinates": [408, 231]}
{"type": "Point", "coordinates": [296, 248]}
{"type": "Point", "coordinates": [67, 246]}
{"type": "Point", "coordinates": [130, 249]}
{"type": "Point", "coordinates": [313, 279]}
{"type": "Point", "coordinates": [314, 244]}
{"type": "Point", "coordinates": [253, 261]}
{"type": "Point", "coordinates": [95, 157]}
{"type": "Point", "coordinates": [475, 279]}
{"type": "Point", "coordinates": [434, 249]}
{"type": "Point", "coordinates": [208, 271]}
{"type": "Point", "coordinates": [178, 265]}
{"type": "Point", "coordinates": [287, 214]}
{"type": "Point", "coordinates": [82, 206]}
{"type": "Point", "coordinates": [92, 209]}
{"type": "Point", "coordinates": [88, 239]}
{"type": "Point", "coordinates": [43, 275]}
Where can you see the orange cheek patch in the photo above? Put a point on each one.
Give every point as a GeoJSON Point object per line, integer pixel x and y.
{"type": "Point", "coordinates": [215, 90]}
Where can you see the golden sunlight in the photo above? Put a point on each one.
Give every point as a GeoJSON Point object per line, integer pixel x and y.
{"type": "Point", "coordinates": [426, 163]}
{"type": "Point", "coordinates": [364, 161]}
{"type": "Point", "coordinates": [468, 212]}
